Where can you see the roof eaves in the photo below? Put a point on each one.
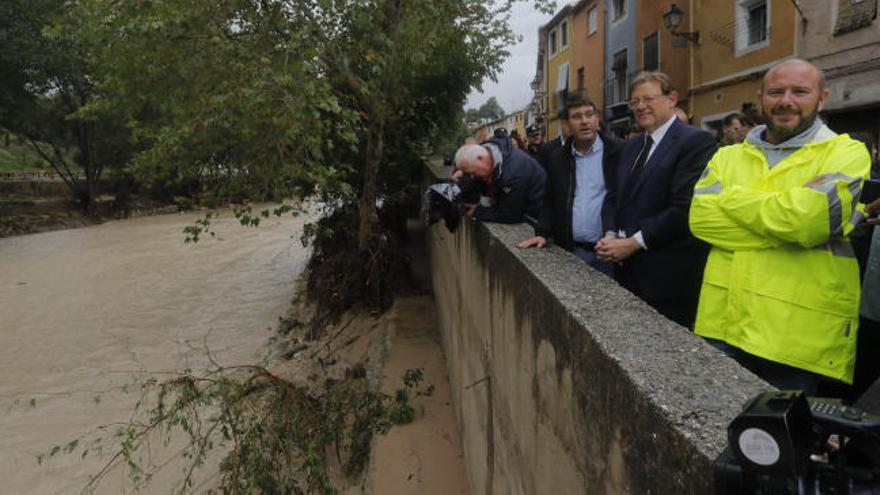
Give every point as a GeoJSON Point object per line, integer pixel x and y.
{"type": "Point", "coordinates": [557, 18]}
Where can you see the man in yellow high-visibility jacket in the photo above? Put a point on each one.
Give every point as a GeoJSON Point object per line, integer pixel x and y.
{"type": "Point", "coordinates": [780, 291]}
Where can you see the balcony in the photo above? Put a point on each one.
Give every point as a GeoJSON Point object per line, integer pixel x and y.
{"type": "Point", "coordinates": [616, 95]}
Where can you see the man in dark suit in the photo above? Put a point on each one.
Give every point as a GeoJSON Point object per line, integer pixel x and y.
{"type": "Point", "coordinates": [645, 214]}
{"type": "Point", "coordinates": [577, 178]}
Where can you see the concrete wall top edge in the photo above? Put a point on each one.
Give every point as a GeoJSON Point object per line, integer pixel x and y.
{"type": "Point", "coordinates": [694, 386]}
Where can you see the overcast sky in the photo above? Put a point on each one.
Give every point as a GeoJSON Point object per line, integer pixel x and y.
{"type": "Point", "coordinates": [512, 89]}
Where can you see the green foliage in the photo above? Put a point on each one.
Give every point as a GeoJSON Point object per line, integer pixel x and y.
{"type": "Point", "coordinates": [193, 232]}
{"type": "Point", "coordinates": [273, 99]}
{"type": "Point", "coordinates": [245, 215]}
{"type": "Point", "coordinates": [276, 436]}
{"type": "Point", "coordinates": [18, 156]}
{"type": "Point", "coordinates": [233, 100]}
{"type": "Point", "coordinates": [46, 85]}
{"type": "Point", "coordinates": [490, 110]}
{"type": "Point", "coordinates": [339, 276]}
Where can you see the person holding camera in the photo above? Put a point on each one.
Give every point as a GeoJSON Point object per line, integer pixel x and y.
{"type": "Point", "coordinates": [780, 290]}
{"type": "Point", "coordinates": [514, 181]}
{"type": "Point", "coordinates": [576, 178]}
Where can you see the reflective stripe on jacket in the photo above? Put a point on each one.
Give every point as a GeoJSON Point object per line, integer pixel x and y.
{"type": "Point", "coordinates": [781, 281]}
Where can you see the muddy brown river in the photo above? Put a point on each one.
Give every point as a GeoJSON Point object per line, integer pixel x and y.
{"type": "Point", "coordinates": [83, 312]}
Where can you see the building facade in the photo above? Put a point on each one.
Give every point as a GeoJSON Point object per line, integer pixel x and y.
{"type": "Point", "coordinates": [658, 49]}
{"type": "Point", "coordinates": [620, 62]}
{"type": "Point", "coordinates": [739, 41]}
{"type": "Point", "coordinates": [588, 51]}
{"type": "Point", "coordinates": [557, 67]}
{"type": "Point", "coordinates": [842, 37]}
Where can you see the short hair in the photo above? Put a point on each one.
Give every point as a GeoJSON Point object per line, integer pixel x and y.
{"type": "Point", "coordinates": [574, 102]}
{"type": "Point", "coordinates": [658, 77]}
{"type": "Point", "coordinates": [469, 153]}
{"type": "Point", "coordinates": [728, 120]}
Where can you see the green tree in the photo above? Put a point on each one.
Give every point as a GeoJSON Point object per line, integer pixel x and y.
{"type": "Point", "coordinates": [270, 98]}
{"type": "Point", "coordinates": [490, 110]}
{"type": "Point", "coordinates": [45, 85]}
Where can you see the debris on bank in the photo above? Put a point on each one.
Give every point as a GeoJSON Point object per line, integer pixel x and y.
{"type": "Point", "coordinates": [423, 456]}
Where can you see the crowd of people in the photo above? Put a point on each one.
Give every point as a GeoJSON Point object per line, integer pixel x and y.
{"type": "Point", "coordinates": [764, 245]}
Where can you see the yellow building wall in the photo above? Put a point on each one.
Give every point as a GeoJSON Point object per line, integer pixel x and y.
{"type": "Point", "coordinates": [722, 78]}
{"type": "Point", "coordinates": [725, 99]}
{"type": "Point", "coordinates": [714, 58]}
{"type": "Point", "coordinates": [520, 124]}
{"type": "Point", "coordinates": [561, 57]}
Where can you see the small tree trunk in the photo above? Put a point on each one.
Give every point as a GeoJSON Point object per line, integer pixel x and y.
{"type": "Point", "coordinates": [369, 218]}
{"type": "Point", "coordinates": [88, 165]}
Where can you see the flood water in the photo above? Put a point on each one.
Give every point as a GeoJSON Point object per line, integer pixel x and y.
{"type": "Point", "coordinates": [83, 311]}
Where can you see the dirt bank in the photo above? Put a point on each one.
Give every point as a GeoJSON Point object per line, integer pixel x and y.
{"type": "Point", "coordinates": [22, 214]}
{"type": "Point", "coordinates": [421, 457]}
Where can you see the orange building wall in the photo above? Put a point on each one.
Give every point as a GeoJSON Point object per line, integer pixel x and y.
{"type": "Point", "coordinates": [723, 79]}
{"type": "Point", "coordinates": [714, 60]}
{"type": "Point", "coordinates": [673, 59]}
{"type": "Point", "coordinates": [589, 52]}
{"type": "Point", "coordinates": [726, 99]}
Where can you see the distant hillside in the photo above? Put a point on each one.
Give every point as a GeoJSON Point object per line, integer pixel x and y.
{"type": "Point", "coordinates": [16, 155]}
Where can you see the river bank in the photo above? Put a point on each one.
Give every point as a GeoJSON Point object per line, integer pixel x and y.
{"type": "Point", "coordinates": [22, 214]}
{"type": "Point", "coordinates": [423, 456]}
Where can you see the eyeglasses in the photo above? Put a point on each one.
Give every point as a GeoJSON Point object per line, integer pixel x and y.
{"type": "Point", "coordinates": [583, 115]}
{"type": "Point", "coordinates": [647, 100]}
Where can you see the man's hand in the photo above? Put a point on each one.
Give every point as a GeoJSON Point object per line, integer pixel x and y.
{"type": "Point", "coordinates": [536, 241]}
{"type": "Point", "coordinates": [873, 209]}
{"type": "Point", "coordinates": [603, 244]}
{"type": "Point", "coordinates": [469, 210]}
{"type": "Point", "coordinates": [613, 250]}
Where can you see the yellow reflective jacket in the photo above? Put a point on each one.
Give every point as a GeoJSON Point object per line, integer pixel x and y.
{"type": "Point", "coordinates": [781, 281]}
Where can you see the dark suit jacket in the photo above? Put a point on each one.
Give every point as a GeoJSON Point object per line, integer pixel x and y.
{"type": "Point", "coordinates": [657, 204]}
{"type": "Point", "coordinates": [554, 221]}
{"type": "Point", "coordinates": [547, 149]}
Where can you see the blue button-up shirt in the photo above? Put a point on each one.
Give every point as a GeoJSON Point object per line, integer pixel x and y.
{"type": "Point", "coordinates": [589, 193]}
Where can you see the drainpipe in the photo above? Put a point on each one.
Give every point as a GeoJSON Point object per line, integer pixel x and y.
{"type": "Point", "coordinates": [803, 33]}
{"type": "Point", "coordinates": [691, 48]}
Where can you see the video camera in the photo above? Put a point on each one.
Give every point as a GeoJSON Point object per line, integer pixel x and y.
{"type": "Point", "coordinates": [786, 443]}
{"type": "Point", "coordinates": [447, 200]}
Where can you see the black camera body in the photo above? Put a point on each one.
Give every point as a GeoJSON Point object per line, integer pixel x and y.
{"type": "Point", "coordinates": [785, 443]}
{"type": "Point", "coordinates": [447, 201]}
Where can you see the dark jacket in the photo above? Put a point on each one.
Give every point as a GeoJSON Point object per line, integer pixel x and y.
{"type": "Point", "coordinates": [554, 223]}
{"type": "Point", "coordinates": [547, 149]}
{"type": "Point", "coordinates": [657, 204]}
{"type": "Point", "coordinates": [517, 186]}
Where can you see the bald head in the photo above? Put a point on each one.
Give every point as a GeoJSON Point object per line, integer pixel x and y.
{"type": "Point", "coordinates": [792, 94]}
{"type": "Point", "coordinates": [800, 67]}
{"type": "Point", "coordinates": [473, 159]}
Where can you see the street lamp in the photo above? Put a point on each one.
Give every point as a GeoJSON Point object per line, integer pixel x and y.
{"type": "Point", "coordinates": [672, 19]}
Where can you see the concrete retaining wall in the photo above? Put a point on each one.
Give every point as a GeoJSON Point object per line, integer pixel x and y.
{"type": "Point", "coordinates": [564, 382]}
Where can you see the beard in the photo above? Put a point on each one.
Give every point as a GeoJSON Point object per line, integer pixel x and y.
{"type": "Point", "coordinates": [784, 134]}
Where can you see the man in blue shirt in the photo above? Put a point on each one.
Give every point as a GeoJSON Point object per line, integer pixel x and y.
{"type": "Point", "coordinates": [577, 176]}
